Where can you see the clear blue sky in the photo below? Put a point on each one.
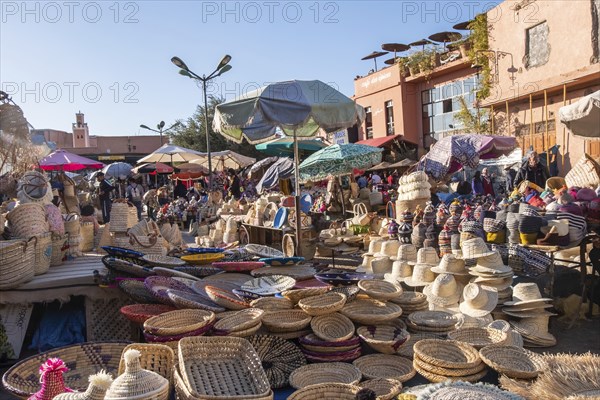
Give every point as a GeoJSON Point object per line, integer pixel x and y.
{"type": "Point", "coordinates": [111, 60]}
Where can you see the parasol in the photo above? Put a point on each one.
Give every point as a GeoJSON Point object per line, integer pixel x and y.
{"type": "Point", "coordinates": [298, 108]}
{"type": "Point", "coordinates": [395, 47]}
{"type": "Point", "coordinates": [192, 167]}
{"type": "Point", "coordinates": [62, 160]}
{"type": "Point", "coordinates": [169, 153]}
{"type": "Point", "coordinates": [285, 146]}
{"type": "Point", "coordinates": [226, 159]}
{"type": "Point", "coordinates": [583, 116]}
{"type": "Point", "coordinates": [281, 169]}
{"type": "Point", "coordinates": [154, 167]}
{"type": "Point", "coordinates": [117, 169]}
{"type": "Point", "coordinates": [445, 37]}
{"type": "Point", "coordinates": [261, 166]}
{"type": "Point", "coordinates": [422, 42]}
{"type": "Point", "coordinates": [451, 153]}
{"type": "Point", "coordinates": [463, 26]}
{"type": "Point", "coordinates": [374, 55]}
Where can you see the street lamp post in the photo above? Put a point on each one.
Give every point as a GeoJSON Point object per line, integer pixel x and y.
{"type": "Point", "coordinates": [160, 130]}
{"type": "Point", "coordinates": [185, 71]}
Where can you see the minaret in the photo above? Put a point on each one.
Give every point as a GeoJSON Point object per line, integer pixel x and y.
{"type": "Point", "coordinates": [81, 134]}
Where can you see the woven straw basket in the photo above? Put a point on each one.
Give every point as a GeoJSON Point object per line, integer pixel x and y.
{"type": "Point", "coordinates": [586, 173]}
{"type": "Point", "coordinates": [33, 187]}
{"type": "Point", "coordinates": [59, 249]}
{"type": "Point", "coordinates": [74, 241]}
{"type": "Point", "coordinates": [43, 253]}
{"type": "Point", "coordinates": [87, 236]}
{"type": "Point", "coordinates": [16, 262]}
{"type": "Point", "coordinates": [28, 220]}
{"type": "Point", "coordinates": [2, 222]}
{"type": "Point", "coordinates": [72, 224]}
{"type": "Point", "coordinates": [119, 217]}
{"type": "Point", "coordinates": [150, 244]}
{"type": "Point", "coordinates": [411, 205]}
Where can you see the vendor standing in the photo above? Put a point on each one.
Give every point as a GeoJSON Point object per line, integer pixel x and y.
{"type": "Point", "coordinates": [104, 190]}
{"type": "Point", "coordinates": [532, 171]}
{"type": "Point", "coordinates": [234, 184]}
{"type": "Point", "coordinates": [488, 183]}
{"type": "Point", "coordinates": [135, 194]}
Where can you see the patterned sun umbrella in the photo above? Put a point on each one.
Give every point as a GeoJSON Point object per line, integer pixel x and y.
{"type": "Point", "coordinates": [339, 159]}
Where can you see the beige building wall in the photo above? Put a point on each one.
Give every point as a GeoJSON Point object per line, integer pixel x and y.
{"type": "Point", "coordinates": [570, 71]}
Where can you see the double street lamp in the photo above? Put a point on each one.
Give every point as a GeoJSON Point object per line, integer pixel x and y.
{"type": "Point", "coordinates": [185, 71]}
{"type": "Point", "coordinates": [159, 129]}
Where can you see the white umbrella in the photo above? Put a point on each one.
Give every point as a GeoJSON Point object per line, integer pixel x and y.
{"type": "Point", "coordinates": [169, 153]}
{"type": "Point", "coordinates": [225, 159]}
{"type": "Point", "coordinates": [117, 169]}
{"type": "Point", "coordinates": [583, 116]}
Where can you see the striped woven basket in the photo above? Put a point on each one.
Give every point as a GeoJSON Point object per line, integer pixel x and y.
{"type": "Point", "coordinates": [74, 249]}
{"type": "Point", "coordinates": [16, 262]}
{"type": "Point", "coordinates": [72, 224]}
{"type": "Point", "coordinates": [411, 205]}
{"type": "Point", "coordinates": [59, 249]}
{"type": "Point", "coordinates": [28, 220]}
{"type": "Point", "coordinates": [119, 217]}
{"type": "Point", "coordinates": [87, 236]}
{"type": "Point", "coordinates": [43, 253]}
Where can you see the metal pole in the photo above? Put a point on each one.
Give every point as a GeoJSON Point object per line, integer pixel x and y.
{"type": "Point", "coordinates": [492, 117]}
{"type": "Point", "coordinates": [297, 198]}
{"type": "Point", "coordinates": [210, 180]}
{"type": "Point", "coordinates": [531, 125]}
{"type": "Point", "coordinates": [564, 135]}
{"type": "Point", "coordinates": [546, 139]}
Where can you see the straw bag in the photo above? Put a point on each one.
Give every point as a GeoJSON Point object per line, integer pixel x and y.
{"type": "Point", "coordinates": [33, 187]}
{"type": "Point", "coordinates": [586, 173]}
{"type": "Point", "coordinates": [43, 253]}
{"type": "Point", "coordinates": [74, 241]}
{"type": "Point", "coordinates": [72, 224]}
{"type": "Point", "coordinates": [27, 220]}
{"type": "Point", "coordinates": [87, 236]}
{"type": "Point", "coordinates": [118, 216]}
{"type": "Point", "coordinates": [170, 233]}
{"type": "Point", "coordinates": [132, 217]}
{"type": "Point", "coordinates": [59, 249]}
{"type": "Point", "coordinates": [16, 262]}
{"type": "Point", "coordinates": [105, 238]}
{"type": "Point", "coordinates": [147, 244]}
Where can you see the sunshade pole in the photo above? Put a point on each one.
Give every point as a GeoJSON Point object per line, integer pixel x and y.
{"type": "Point", "coordinates": [297, 197]}
{"type": "Point", "coordinates": [343, 200]}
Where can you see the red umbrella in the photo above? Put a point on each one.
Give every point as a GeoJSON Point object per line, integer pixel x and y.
{"type": "Point", "coordinates": [153, 168]}
{"type": "Point", "coordinates": [62, 160]}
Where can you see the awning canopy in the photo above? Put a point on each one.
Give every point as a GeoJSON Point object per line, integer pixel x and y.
{"type": "Point", "coordinates": [380, 141]}
{"type": "Point", "coordinates": [583, 116]}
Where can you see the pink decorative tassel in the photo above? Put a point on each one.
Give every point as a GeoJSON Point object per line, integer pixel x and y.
{"type": "Point", "coordinates": [52, 379]}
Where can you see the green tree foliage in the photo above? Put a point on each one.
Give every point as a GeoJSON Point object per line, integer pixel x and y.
{"type": "Point", "coordinates": [476, 121]}
{"type": "Point", "coordinates": [191, 133]}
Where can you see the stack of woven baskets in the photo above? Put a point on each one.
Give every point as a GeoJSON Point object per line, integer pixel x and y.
{"type": "Point", "coordinates": [172, 326]}
{"type": "Point", "coordinates": [413, 191]}
{"type": "Point", "coordinates": [73, 231]}
{"type": "Point", "coordinates": [442, 360]}
{"type": "Point", "coordinates": [126, 232]}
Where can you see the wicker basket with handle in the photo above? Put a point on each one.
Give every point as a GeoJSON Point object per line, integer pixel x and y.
{"type": "Point", "coordinates": [43, 253]}
{"type": "Point", "coordinates": [16, 262]}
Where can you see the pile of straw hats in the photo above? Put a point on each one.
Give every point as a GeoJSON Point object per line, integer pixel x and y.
{"type": "Point", "coordinates": [491, 271]}
{"type": "Point", "coordinates": [531, 318]}
{"type": "Point", "coordinates": [422, 275]}
{"type": "Point", "coordinates": [443, 293]}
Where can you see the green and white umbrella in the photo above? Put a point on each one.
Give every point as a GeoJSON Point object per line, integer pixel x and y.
{"type": "Point", "coordinates": [339, 159]}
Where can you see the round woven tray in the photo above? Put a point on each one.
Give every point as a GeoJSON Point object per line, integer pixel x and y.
{"type": "Point", "coordinates": [290, 335]}
{"type": "Point", "coordinates": [335, 372]}
{"type": "Point", "coordinates": [295, 295]}
{"type": "Point", "coordinates": [286, 320]}
{"type": "Point", "coordinates": [347, 355]}
{"type": "Point", "coordinates": [225, 298]}
{"type": "Point", "coordinates": [512, 361]}
{"type": "Point", "coordinates": [371, 312]}
{"type": "Point", "coordinates": [137, 291]}
{"type": "Point", "coordinates": [163, 261]}
{"type": "Point", "coordinates": [297, 272]}
{"type": "Point", "coordinates": [238, 266]}
{"type": "Point", "coordinates": [449, 372]}
{"type": "Point", "coordinates": [447, 353]}
{"type": "Point", "coordinates": [272, 303]}
{"type": "Point", "coordinates": [333, 327]}
{"type": "Point", "coordinates": [279, 358]}
{"type": "Point", "coordinates": [385, 366]}
{"type": "Point", "coordinates": [323, 304]}
{"type": "Point", "coordinates": [312, 342]}
{"type": "Point", "coordinates": [478, 337]}
{"type": "Point", "coordinates": [410, 298]}
{"type": "Point", "coordinates": [139, 313]}
{"type": "Point", "coordinates": [338, 391]}
{"type": "Point", "coordinates": [433, 319]}
{"type": "Point", "coordinates": [441, 378]}
{"type": "Point", "coordinates": [199, 272]}
{"type": "Point", "coordinates": [269, 285]}
{"type": "Point", "coordinates": [383, 339]}
{"type": "Point", "coordinates": [240, 321]}
{"type": "Point", "coordinates": [158, 286]}
{"type": "Point", "coordinates": [380, 290]}
{"type": "Point", "coordinates": [184, 300]}
{"type": "Point", "coordinates": [178, 322]}
{"type": "Point", "coordinates": [350, 291]}
{"type": "Point", "coordinates": [234, 278]}
{"type": "Point", "coordinates": [240, 333]}
{"type": "Point", "coordinates": [122, 267]}
{"type": "Point", "coordinates": [385, 389]}
{"type": "Point", "coordinates": [23, 378]}
{"type": "Point", "coordinates": [407, 350]}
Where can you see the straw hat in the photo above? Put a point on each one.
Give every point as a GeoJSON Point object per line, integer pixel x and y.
{"type": "Point", "coordinates": [479, 300]}
{"type": "Point", "coordinates": [421, 276]}
{"type": "Point", "coordinates": [536, 312]}
{"type": "Point", "coordinates": [375, 246]}
{"type": "Point", "coordinates": [475, 248]}
{"type": "Point", "coordinates": [444, 291]}
{"type": "Point", "coordinates": [400, 271]}
{"type": "Point", "coordinates": [137, 383]}
{"type": "Point", "coordinates": [450, 264]}
{"type": "Point", "coordinates": [367, 260]}
{"type": "Point", "coordinates": [381, 265]}
{"type": "Point", "coordinates": [388, 248]}
{"type": "Point", "coordinates": [427, 256]}
{"type": "Point", "coordinates": [496, 283]}
{"type": "Point", "coordinates": [534, 329]}
{"type": "Point", "coordinates": [492, 264]}
{"type": "Point", "coordinates": [99, 384]}
{"type": "Point", "coordinates": [526, 293]}
{"type": "Point", "coordinates": [406, 252]}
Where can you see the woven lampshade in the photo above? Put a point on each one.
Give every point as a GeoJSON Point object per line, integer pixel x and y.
{"type": "Point", "coordinates": [137, 383]}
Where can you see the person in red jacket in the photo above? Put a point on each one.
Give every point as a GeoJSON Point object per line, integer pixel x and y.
{"type": "Point", "coordinates": [488, 183]}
